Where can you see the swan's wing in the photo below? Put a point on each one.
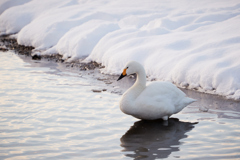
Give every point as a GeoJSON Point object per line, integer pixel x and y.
{"type": "Point", "coordinates": [163, 90]}
{"type": "Point", "coordinates": [162, 95]}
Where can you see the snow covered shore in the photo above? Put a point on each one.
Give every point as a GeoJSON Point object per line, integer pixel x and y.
{"type": "Point", "coordinates": [194, 44]}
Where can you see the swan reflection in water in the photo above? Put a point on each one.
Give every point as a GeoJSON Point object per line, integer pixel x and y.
{"type": "Point", "coordinates": [154, 139]}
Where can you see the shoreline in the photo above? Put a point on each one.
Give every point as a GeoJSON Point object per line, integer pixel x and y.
{"type": "Point", "coordinates": [8, 43]}
{"type": "Point", "coordinates": [206, 103]}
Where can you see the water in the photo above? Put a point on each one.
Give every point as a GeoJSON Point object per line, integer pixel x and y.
{"type": "Point", "coordinates": [49, 111]}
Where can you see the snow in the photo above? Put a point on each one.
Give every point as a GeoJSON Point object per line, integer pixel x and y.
{"type": "Point", "coordinates": [194, 44]}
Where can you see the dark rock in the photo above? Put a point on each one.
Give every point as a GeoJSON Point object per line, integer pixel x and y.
{"type": "Point", "coordinates": [101, 67]}
{"type": "Point", "coordinates": [101, 79]}
{"type": "Point", "coordinates": [36, 57]}
{"type": "Point", "coordinates": [3, 49]}
{"type": "Point", "coordinates": [96, 90]}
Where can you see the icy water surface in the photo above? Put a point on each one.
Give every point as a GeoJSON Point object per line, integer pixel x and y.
{"type": "Point", "coordinates": [49, 112]}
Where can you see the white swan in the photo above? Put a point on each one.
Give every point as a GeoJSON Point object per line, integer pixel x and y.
{"type": "Point", "coordinates": [154, 101]}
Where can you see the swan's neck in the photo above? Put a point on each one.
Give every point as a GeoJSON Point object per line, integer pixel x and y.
{"type": "Point", "coordinates": [141, 80]}
{"type": "Point", "coordinates": [129, 97]}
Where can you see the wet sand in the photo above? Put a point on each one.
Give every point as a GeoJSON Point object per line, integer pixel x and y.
{"type": "Point", "coordinates": [49, 111]}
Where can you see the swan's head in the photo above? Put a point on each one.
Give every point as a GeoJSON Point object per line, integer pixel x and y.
{"type": "Point", "coordinates": [130, 68]}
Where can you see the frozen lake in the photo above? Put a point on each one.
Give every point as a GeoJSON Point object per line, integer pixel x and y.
{"type": "Point", "coordinates": [48, 111]}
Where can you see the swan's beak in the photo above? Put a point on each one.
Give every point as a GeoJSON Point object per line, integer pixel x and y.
{"type": "Point", "coordinates": [121, 77]}
{"type": "Point", "coordinates": [123, 74]}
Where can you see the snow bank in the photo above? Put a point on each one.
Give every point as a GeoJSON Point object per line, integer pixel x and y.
{"type": "Point", "coordinates": [5, 4]}
{"type": "Point", "coordinates": [194, 44]}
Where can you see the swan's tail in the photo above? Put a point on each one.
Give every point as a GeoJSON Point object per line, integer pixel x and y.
{"type": "Point", "coordinates": [186, 101]}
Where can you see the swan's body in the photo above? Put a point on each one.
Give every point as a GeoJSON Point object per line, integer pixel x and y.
{"type": "Point", "coordinates": [154, 101]}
